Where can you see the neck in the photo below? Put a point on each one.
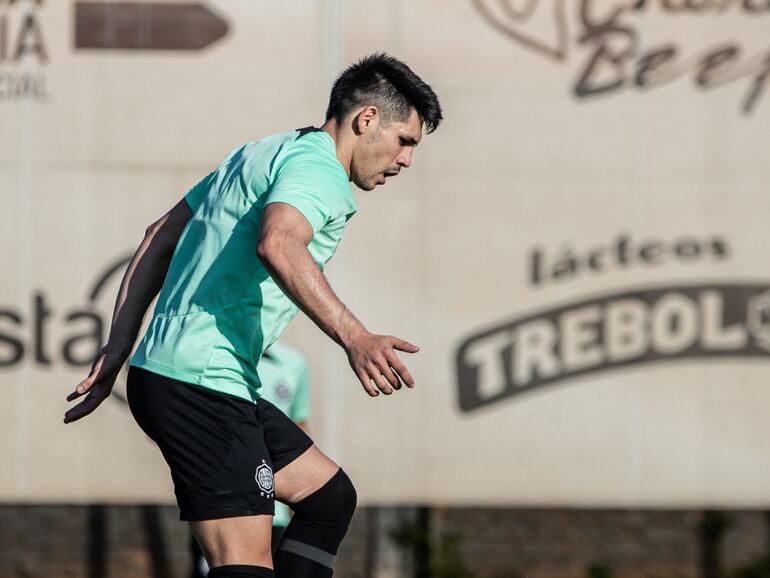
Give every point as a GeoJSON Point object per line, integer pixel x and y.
{"type": "Point", "coordinates": [342, 141]}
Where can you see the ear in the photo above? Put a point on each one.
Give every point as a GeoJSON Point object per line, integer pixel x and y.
{"type": "Point", "coordinates": [366, 120]}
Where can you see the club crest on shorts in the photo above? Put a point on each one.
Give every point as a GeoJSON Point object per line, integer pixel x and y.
{"type": "Point", "coordinates": [264, 478]}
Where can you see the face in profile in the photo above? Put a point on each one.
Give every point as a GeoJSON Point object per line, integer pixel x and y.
{"type": "Point", "coordinates": [384, 149]}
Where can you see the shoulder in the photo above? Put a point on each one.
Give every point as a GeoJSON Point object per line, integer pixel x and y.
{"type": "Point", "coordinates": [313, 153]}
{"type": "Point", "coordinates": [257, 156]}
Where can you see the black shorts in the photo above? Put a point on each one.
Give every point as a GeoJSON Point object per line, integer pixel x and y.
{"type": "Point", "coordinates": [222, 450]}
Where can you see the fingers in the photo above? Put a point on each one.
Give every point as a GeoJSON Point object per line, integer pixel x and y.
{"type": "Point", "coordinates": [402, 345]}
{"type": "Point", "coordinates": [85, 407]}
{"type": "Point", "coordinates": [372, 374]}
{"type": "Point", "coordinates": [88, 382]}
{"type": "Point", "coordinates": [96, 387]}
{"type": "Point", "coordinates": [386, 371]}
{"type": "Point", "coordinates": [82, 388]}
{"type": "Point", "coordinates": [379, 380]}
{"type": "Point", "coordinates": [377, 366]}
{"type": "Point", "coordinates": [400, 369]}
{"type": "Point", "coordinates": [364, 379]}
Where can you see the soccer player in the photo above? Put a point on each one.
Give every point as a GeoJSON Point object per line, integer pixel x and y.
{"type": "Point", "coordinates": [233, 261]}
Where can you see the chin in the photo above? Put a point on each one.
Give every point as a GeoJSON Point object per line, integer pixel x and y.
{"type": "Point", "coordinates": [366, 186]}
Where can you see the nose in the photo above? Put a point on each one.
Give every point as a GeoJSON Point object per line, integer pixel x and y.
{"type": "Point", "coordinates": [405, 158]}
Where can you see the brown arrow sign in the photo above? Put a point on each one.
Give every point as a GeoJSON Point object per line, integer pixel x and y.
{"type": "Point", "coordinates": [146, 26]}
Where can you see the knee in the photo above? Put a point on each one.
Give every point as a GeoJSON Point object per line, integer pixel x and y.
{"type": "Point", "coordinates": [333, 504]}
{"type": "Point", "coordinates": [320, 520]}
{"type": "Point", "coordinates": [345, 496]}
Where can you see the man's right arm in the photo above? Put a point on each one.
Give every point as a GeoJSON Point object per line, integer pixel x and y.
{"type": "Point", "coordinates": [284, 236]}
{"type": "Point", "coordinates": [141, 283]}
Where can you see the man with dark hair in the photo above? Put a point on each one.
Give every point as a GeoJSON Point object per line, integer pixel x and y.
{"type": "Point", "coordinates": [233, 261]}
{"type": "Point", "coordinates": [388, 83]}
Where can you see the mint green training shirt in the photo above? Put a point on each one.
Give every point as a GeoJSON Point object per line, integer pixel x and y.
{"type": "Point", "coordinates": [219, 308]}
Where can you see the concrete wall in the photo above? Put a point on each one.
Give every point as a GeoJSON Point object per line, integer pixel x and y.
{"type": "Point", "coordinates": [149, 542]}
{"type": "Point", "coordinates": [579, 250]}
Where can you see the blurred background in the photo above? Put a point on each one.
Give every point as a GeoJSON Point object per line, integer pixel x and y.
{"type": "Point", "coordinates": [580, 251]}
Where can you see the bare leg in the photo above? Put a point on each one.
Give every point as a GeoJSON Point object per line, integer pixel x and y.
{"type": "Point", "coordinates": [305, 475]}
{"type": "Point", "coordinates": [240, 540]}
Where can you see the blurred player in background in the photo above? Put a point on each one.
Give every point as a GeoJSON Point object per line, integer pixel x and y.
{"type": "Point", "coordinates": [233, 261]}
{"type": "Point", "coordinates": [285, 380]}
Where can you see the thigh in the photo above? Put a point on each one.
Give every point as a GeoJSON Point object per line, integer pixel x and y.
{"type": "Point", "coordinates": [304, 476]}
{"type": "Point", "coordinates": [300, 467]}
{"type": "Point", "coordinates": [285, 440]}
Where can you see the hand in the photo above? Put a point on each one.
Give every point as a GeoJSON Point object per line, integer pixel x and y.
{"type": "Point", "coordinates": [98, 384]}
{"type": "Point", "coordinates": [373, 358]}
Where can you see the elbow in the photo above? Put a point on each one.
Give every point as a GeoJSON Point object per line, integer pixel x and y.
{"type": "Point", "coordinates": [277, 249]}
{"type": "Point", "coordinates": [269, 249]}
{"type": "Point", "coordinates": [153, 229]}
{"type": "Point", "coordinates": [263, 252]}
{"type": "Point", "coordinates": [160, 238]}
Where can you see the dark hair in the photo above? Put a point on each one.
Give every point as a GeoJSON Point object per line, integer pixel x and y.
{"type": "Point", "coordinates": [390, 85]}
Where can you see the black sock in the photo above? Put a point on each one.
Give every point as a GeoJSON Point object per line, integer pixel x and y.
{"type": "Point", "coordinates": [240, 571]}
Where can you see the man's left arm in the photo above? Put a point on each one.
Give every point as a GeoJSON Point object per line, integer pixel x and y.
{"type": "Point", "coordinates": [141, 283]}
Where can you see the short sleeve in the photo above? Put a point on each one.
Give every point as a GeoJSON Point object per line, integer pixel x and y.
{"type": "Point", "coordinates": [315, 187]}
{"type": "Point", "coordinates": [300, 406]}
{"type": "Point", "coordinates": [195, 196]}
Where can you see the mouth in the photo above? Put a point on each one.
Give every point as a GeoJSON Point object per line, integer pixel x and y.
{"type": "Point", "coordinates": [385, 175]}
